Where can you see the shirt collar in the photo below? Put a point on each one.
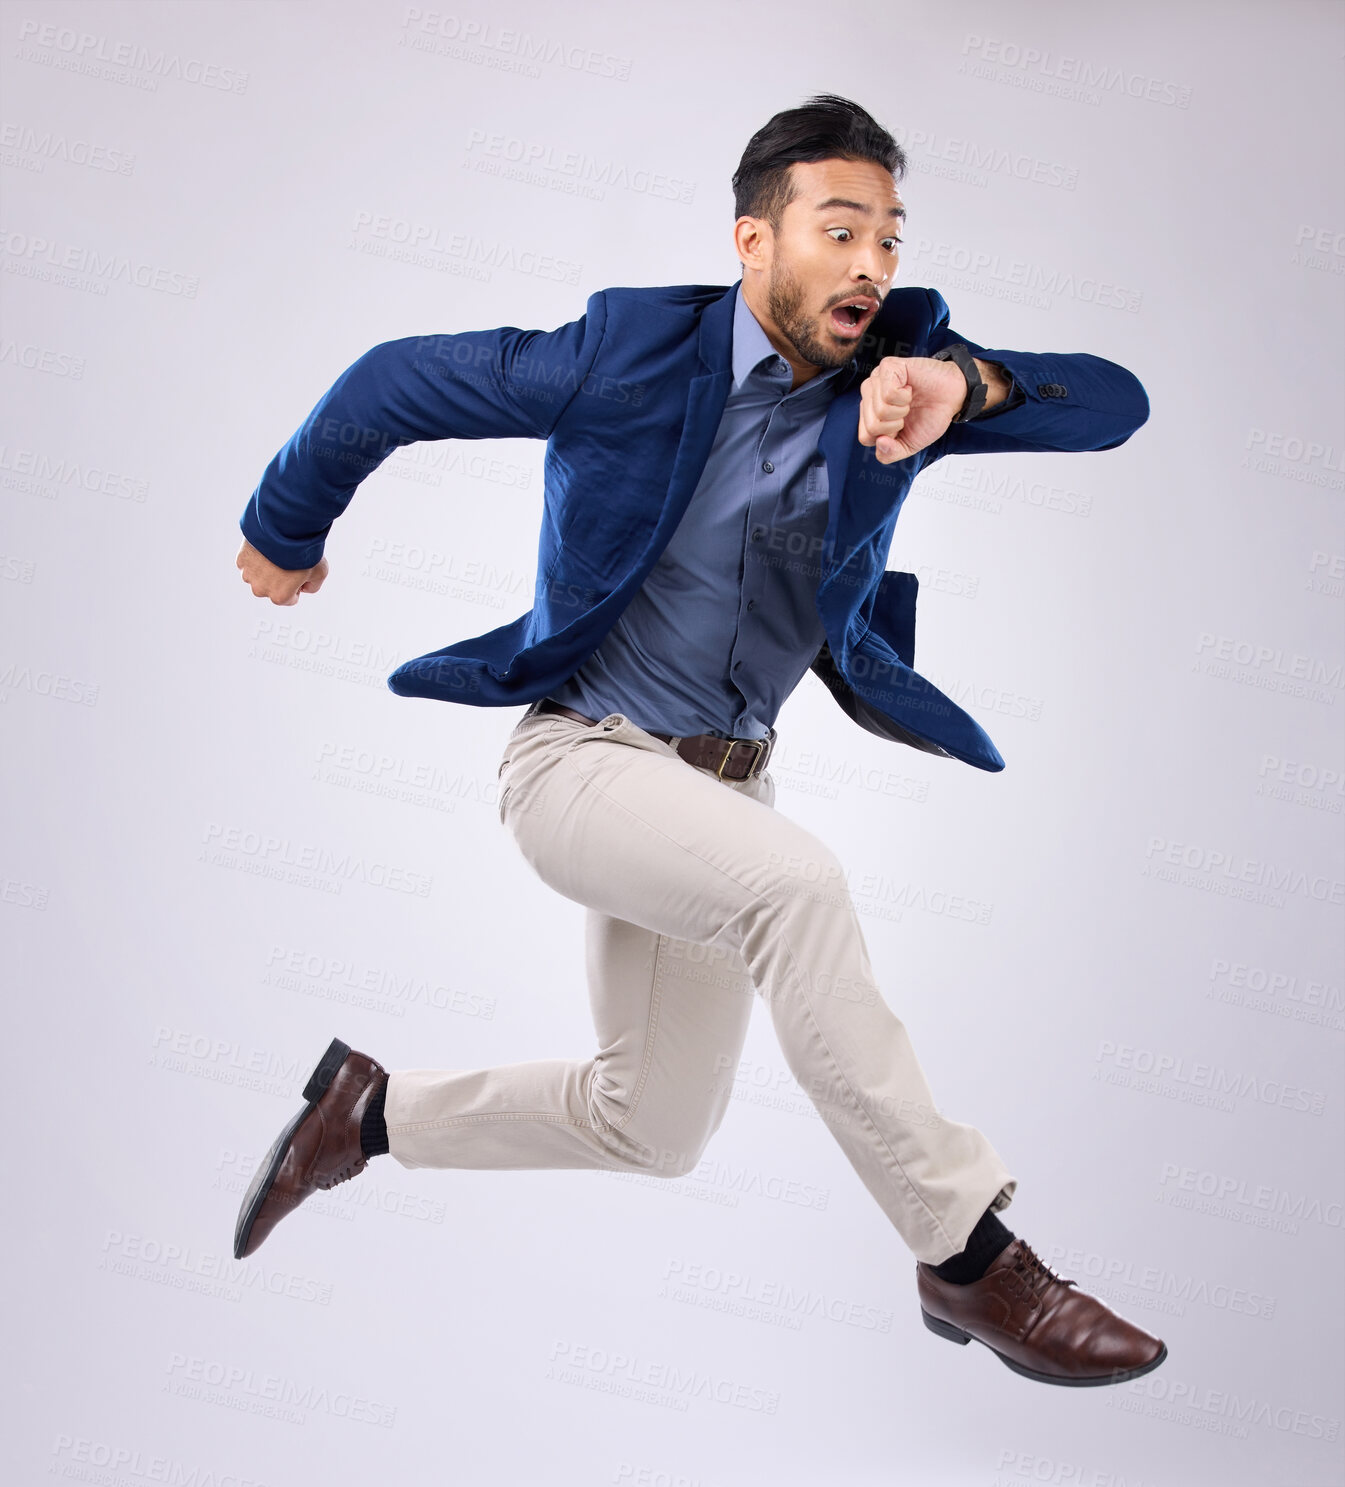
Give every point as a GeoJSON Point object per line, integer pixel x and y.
{"type": "Point", "coordinates": [751, 345]}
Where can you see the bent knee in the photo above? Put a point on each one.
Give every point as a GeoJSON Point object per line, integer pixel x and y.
{"type": "Point", "coordinates": [677, 1163]}
{"type": "Point", "coordinates": [660, 1157]}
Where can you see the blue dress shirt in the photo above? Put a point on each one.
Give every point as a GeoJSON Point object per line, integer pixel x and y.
{"type": "Point", "coordinates": [726, 624]}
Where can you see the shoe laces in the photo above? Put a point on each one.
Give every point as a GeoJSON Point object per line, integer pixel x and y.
{"type": "Point", "coordinates": [1032, 1274]}
{"type": "Point", "coordinates": [341, 1174]}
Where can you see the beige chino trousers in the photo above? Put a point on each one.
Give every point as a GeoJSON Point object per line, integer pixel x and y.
{"type": "Point", "coordinates": [700, 897]}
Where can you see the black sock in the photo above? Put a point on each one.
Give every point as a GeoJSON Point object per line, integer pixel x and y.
{"type": "Point", "coordinates": [984, 1243]}
{"type": "Point", "coordinates": [373, 1128]}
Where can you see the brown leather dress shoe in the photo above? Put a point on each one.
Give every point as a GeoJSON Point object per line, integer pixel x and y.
{"type": "Point", "coordinates": [317, 1149]}
{"type": "Point", "coordinates": [1037, 1323]}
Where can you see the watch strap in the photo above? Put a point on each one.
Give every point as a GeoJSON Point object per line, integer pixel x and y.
{"type": "Point", "coordinates": [977, 388]}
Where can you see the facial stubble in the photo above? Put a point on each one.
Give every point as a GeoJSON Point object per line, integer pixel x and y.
{"type": "Point", "coordinates": [784, 302]}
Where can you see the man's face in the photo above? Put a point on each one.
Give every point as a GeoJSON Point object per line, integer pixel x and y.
{"type": "Point", "coordinates": [833, 257]}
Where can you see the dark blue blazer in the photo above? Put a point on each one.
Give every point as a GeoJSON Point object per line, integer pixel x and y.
{"type": "Point", "coordinates": [628, 398]}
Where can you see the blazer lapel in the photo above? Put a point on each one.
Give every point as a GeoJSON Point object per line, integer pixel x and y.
{"type": "Point", "coordinates": [706, 397]}
{"type": "Point", "coordinates": [705, 407]}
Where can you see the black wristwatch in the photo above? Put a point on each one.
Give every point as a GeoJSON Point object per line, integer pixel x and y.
{"type": "Point", "coordinates": [977, 388]}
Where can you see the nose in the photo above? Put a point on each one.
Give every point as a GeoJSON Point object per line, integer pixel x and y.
{"type": "Point", "coordinates": [872, 265]}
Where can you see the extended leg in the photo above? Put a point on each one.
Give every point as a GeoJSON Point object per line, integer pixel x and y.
{"type": "Point", "coordinates": [648, 1100]}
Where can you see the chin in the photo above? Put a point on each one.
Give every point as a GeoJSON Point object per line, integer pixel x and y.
{"type": "Point", "coordinates": [839, 348]}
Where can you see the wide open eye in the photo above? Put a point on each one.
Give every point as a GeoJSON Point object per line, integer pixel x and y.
{"type": "Point", "coordinates": [833, 230]}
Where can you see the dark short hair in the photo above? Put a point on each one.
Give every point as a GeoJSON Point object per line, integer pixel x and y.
{"type": "Point", "coordinates": [825, 127]}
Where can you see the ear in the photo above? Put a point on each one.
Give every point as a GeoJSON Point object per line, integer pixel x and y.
{"type": "Point", "coordinates": [753, 241]}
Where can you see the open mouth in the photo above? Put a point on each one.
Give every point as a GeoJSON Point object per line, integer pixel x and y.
{"type": "Point", "coordinates": [850, 317]}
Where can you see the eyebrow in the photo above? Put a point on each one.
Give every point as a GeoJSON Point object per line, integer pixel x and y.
{"type": "Point", "coordinates": [856, 206]}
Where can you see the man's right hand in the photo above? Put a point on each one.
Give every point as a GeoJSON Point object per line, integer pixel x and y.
{"type": "Point", "coordinates": [279, 585]}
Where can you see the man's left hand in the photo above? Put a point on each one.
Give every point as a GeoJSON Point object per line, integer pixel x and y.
{"type": "Point", "coordinates": [907, 402]}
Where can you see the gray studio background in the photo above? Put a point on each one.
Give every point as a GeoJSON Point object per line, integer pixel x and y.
{"type": "Point", "coordinates": [1119, 957]}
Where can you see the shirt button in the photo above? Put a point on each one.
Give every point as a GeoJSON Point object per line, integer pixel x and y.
{"type": "Point", "coordinates": [758, 533]}
{"type": "Point", "coordinates": [751, 604]}
{"type": "Point", "coordinates": [768, 467]}
{"type": "Point", "coordinates": [737, 665]}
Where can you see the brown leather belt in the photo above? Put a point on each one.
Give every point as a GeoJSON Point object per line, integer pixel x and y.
{"type": "Point", "coordinates": [705, 750]}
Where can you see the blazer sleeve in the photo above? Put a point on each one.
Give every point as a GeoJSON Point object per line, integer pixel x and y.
{"type": "Point", "coordinates": [1059, 400]}
{"type": "Point", "coordinates": [489, 384]}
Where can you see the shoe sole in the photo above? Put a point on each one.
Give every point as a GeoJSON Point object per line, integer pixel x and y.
{"type": "Point", "coordinates": [269, 1168]}
{"type": "Point", "coordinates": [955, 1334]}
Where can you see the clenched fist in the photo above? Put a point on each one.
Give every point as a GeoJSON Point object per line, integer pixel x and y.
{"type": "Point", "coordinates": [907, 402]}
{"type": "Point", "coordinates": [279, 585]}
